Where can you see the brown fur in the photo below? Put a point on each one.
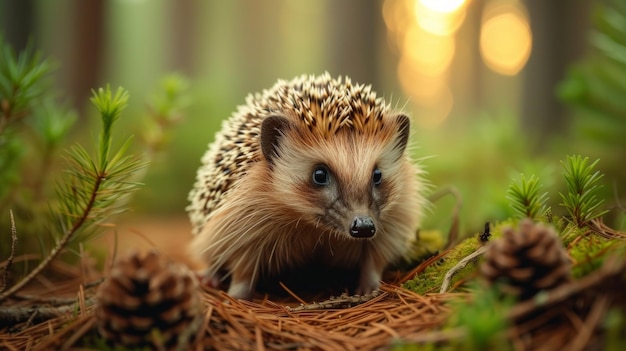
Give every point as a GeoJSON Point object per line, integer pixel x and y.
{"type": "Point", "coordinates": [272, 218]}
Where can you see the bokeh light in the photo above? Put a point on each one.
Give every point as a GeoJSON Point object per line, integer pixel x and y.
{"type": "Point", "coordinates": [430, 54]}
{"type": "Point", "coordinates": [442, 6]}
{"type": "Point", "coordinates": [505, 37]}
{"type": "Point", "coordinates": [423, 32]}
{"type": "Point", "coordinates": [440, 17]}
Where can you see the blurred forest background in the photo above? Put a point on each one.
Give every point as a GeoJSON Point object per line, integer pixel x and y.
{"type": "Point", "coordinates": [495, 87]}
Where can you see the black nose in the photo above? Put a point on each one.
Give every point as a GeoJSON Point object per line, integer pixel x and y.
{"type": "Point", "coordinates": [362, 227]}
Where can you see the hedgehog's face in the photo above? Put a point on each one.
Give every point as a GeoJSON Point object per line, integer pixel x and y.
{"type": "Point", "coordinates": [340, 183]}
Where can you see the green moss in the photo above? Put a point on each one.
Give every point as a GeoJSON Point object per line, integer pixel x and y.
{"type": "Point", "coordinates": [426, 244]}
{"type": "Point", "coordinates": [484, 318]}
{"type": "Point", "coordinates": [430, 279]}
{"type": "Point", "coordinates": [588, 251]}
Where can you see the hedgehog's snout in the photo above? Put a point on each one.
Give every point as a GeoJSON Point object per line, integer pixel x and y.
{"type": "Point", "coordinates": [362, 227]}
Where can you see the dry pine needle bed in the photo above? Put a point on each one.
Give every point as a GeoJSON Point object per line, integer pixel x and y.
{"type": "Point", "coordinates": [141, 293]}
{"type": "Point", "coordinates": [393, 314]}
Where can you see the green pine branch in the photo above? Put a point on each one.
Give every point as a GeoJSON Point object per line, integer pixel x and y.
{"type": "Point", "coordinates": [165, 109]}
{"type": "Point", "coordinates": [581, 200]}
{"type": "Point", "coordinates": [525, 199]}
{"type": "Point", "coordinates": [20, 82]}
{"type": "Point", "coordinates": [94, 187]}
{"type": "Point", "coordinates": [22, 85]}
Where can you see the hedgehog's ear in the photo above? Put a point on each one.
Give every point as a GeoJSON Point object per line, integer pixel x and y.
{"type": "Point", "coordinates": [404, 129]}
{"type": "Point", "coordinates": [272, 128]}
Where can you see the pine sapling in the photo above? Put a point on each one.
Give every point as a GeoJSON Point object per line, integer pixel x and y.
{"type": "Point", "coordinates": [20, 82]}
{"type": "Point", "coordinates": [525, 198]}
{"type": "Point", "coordinates": [581, 201]}
{"type": "Point", "coordinates": [94, 187]}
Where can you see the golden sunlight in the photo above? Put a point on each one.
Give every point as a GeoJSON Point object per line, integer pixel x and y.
{"type": "Point", "coordinates": [440, 17]}
{"type": "Point", "coordinates": [427, 47]}
{"type": "Point", "coordinates": [443, 6]}
{"type": "Point", "coordinates": [505, 37]}
{"type": "Point", "coordinates": [431, 54]}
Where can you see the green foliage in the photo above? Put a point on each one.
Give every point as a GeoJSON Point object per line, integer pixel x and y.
{"type": "Point", "coordinates": [165, 109]}
{"type": "Point", "coordinates": [595, 89]}
{"type": "Point", "coordinates": [598, 84]}
{"type": "Point", "coordinates": [110, 107]}
{"type": "Point", "coordinates": [20, 82]}
{"type": "Point", "coordinates": [525, 199]}
{"type": "Point", "coordinates": [51, 123]}
{"type": "Point", "coordinates": [581, 200]}
{"type": "Point", "coordinates": [11, 152]}
{"type": "Point", "coordinates": [91, 190]}
{"type": "Point", "coordinates": [93, 187]}
{"type": "Point", "coordinates": [587, 251]}
{"type": "Point", "coordinates": [430, 280]}
{"type": "Point", "coordinates": [484, 320]}
{"type": "Point", "coordinates": [484, 136]}
{"type": "Point", "coordinates": [171, 98]}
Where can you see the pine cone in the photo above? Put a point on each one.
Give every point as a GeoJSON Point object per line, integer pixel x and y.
{"type": "Point", "coordinates": [527, 260]}
{"type": "Point", "coordinates": [148, 302]}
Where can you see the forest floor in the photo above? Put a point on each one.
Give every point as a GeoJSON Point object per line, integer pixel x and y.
{"type": "Point", "coordinates": [169, 234]}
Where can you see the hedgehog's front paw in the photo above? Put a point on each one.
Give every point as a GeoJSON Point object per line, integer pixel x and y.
{"type": "Point", "coordinates": [240, 289]}
{"type": "Point", "coordinates": [366, 289]}
{"type": "Point", "coordinates": [370, 281]}
{"type": "Point", "coordinates": [208, 279]}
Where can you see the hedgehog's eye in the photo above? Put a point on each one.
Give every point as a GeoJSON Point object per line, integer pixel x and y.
{"type": "Point", "coordinates": [321, 176]}
{"type": "Point", "coordinates": [377, 176]}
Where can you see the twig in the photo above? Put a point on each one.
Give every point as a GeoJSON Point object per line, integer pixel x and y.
{"type": "Point", "coordinates": [597, 226]}
{"type": "Point", "coordinates": [447, 279]}
{"type": "Point", "coordinates": [613, 267]}
{"type": "Point", "coordinates": [29, 321]}
{"type": "Point", "coordinates": [343, 301]}
{"type": "Point", "coordinates": [61, 244]}
{"type": "Point", "coordinates": [5, 269]}
{"type": "Point", "coordinates": [30, 314]}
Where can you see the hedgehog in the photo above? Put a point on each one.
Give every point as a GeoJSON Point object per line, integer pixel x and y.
{"type": "Point", "coordinates": [313, 170]}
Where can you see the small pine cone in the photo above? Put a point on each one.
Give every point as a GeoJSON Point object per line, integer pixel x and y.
{"type": "Point", "coordinates": [149, 302]}
{"type": "Point", "coordinates": [526, 260]}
